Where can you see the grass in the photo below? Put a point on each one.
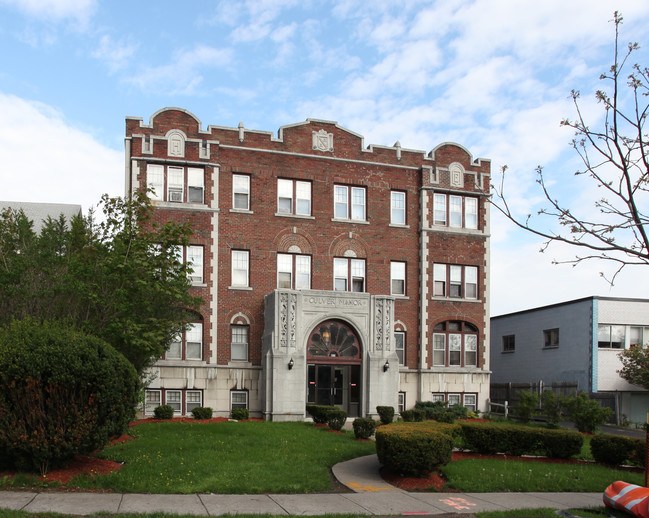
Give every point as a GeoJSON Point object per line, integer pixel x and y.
{"type": "Point", "coordinates": [227, 458]}
{"type": "Point", "coordinates": [493, 475]}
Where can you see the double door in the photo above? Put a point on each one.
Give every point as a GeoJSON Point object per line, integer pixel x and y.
{"type": "Point", "coordinates": [335, 385]}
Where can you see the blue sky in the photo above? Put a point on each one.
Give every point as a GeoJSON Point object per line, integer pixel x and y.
{"type": "Point", "coordinates": [492, 75]}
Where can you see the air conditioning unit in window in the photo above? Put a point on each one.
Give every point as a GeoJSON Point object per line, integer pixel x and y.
{"type": "Point", "coordinates": [175, 195]}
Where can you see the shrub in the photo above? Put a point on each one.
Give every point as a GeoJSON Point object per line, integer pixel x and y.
{"type": "Point", "coordinates": [411, 449]}
{"type": "Point", "coordinates": [459, 411]}
{"type": "Point", "coordinates": [414, 415]}
{"type": "Point", "coordinates": [163, 412]}
{"type": "Point", "coordinates": [433, 409]}
{"type": "Point", "coordinates": [364, 427]}
{"type": "Point", "coordinates": [639, 455]}
{"type": "Point", "coordinates": [62, 392]}
{"type": "Point", "coordinates": [611, 449]}
{"type": "Point", "coordinates": [552, 409]}
{"type": "Point", "coordinates": [239, 414]}
{"type": "Point", "coordinates": [527, 404]}
{"type": "Point", "coordinates": [202, 412]}
{"type": "Point", "coordinates": [386, 414]}
{"type": "Point", "coordinates": [336, 419]}
{"type": "Point", "coordinates": [587, 414]}
{"type": "Point", "coordinates": [446, 417]}
{"type": "Point", "coordinates": [319, 412]}
{"type": "Point", "coordinates": [520, 440]}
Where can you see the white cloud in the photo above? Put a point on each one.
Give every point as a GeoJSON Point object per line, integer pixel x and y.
{"type": "Point", "coordinates": [182, 76]}
{"type": "Point", "coordinates": [55, 10]}
{"type": "Point", "coordinates": [115, 54]}
{"type": "Point", "coordinates": [47, 160]}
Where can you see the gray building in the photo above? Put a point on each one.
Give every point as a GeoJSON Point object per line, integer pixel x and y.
{"type": "Point", "coordinates": [575, 344]}
{"type": "Point", "coordinates": [39, 212]}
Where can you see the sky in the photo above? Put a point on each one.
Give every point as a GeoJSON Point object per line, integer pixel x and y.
{"type": "Point", "coordinates": [492, 75]}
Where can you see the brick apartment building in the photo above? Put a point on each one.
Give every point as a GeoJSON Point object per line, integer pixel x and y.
{"type": "Point", "coordinates": [331, 273]}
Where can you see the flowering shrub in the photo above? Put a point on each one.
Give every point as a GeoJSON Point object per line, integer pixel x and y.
{"type": "Point", "coordinates": [61, 393]}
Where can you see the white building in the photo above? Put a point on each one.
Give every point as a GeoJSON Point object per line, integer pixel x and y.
{"type": "Point", "coordinates": [576, 342]}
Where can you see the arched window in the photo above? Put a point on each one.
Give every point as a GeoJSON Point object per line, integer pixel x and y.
{"type": "Point", "coordinates": [455, 344]}
{"type": "Point", "coordinates": [333, 341]}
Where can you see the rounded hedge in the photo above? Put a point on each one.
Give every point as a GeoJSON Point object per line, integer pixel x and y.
{"type": "Point", "coordinates": [62, 392]}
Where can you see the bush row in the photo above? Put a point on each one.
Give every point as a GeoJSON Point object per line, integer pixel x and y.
{"type": "Point", "coordinates": [521, 440]}
{"type": "Point", "coordinates": [616, 450]}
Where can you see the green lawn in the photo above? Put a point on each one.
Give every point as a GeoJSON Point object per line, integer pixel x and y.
{"type": "Point", "coordinates": [228, 458]}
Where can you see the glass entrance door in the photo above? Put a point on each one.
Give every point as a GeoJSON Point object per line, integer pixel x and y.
{"type": "Point", "coordinates": [336, 385]}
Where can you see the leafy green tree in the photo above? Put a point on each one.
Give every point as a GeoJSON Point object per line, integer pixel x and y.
{"type": "Point", "coordinates": [118, 278]}
{"type": "Point", "coordinates": [635, 366]}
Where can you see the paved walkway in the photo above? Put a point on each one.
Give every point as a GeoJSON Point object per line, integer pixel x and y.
{"type": "Point", "coordinates": [371, 496]}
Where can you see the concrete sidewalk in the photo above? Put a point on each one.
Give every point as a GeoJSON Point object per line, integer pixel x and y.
{"type": "Point", "coordinates": [371, 496]}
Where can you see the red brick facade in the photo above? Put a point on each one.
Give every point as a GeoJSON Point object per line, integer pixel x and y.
{"type": "Point", "coordinates": [262, 231]}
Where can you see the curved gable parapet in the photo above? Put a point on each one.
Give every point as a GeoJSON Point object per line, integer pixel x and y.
{"type": "Point", "coordinates": [471, 160]}
{"type": "Point", "coordinates": [172, 109]}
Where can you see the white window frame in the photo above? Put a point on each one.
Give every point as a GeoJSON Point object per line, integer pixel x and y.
{"type": "Point", "coordinates": [401, 405]}
{"type": "Point", "coordinates": [190, 405]}
{"type": "Point", "coordinates": [298, 268]}
{"type": "Point", "coordinates": [239, 331]}
{"type": "Point", "coordinates": [173, 404]}
{"type": "Point", "coordinates": [298, 195]}
{"type": "Point", "coordinates": [194, 341]}
{"type": "Point", "coordinates": [398, 275]}
{"type": "Point", "coordinates": [397, 207]}
{"type": "Point", "coordinates": [437, 397]}
{"type": "Point", "coordinates": [471, 213]}
{"type": "Point", "coordinates": [175, 184]}
{"type": "Point", "coordinates": [455, 211]}
{"type": "Point", "coordinates": [439, 349]}
{"type": "Point", "coordinates": [471, 282]}
{"type": "Point", "coordinates": [155, 179]}
{"type": "Point", "coordinates": [352, 272]}
{"type": "Point", "coordinates": [454, 399]}
{"type": "Point", "coordinates": [195, 185]}
{"type": "Point", "coordinates": [400, 346]}
{"type": "Point", "coordinates": [439, 280]}
{"type": "Point", "coordinates": [240, 191]}
{"type": "Point", "coordinates": [470, 350]}
{"type": "Point", "coordinates": [472, 406]}
{"type": "Point", "coordinates": [615, 336]}
{"type": "Point", "coordinates": [455, 281]}
{"type": "Point", "coordinates": [151, 404]}
{"type": "Point", "coordinates": [451, 345]}
{"type": "Point", "coordinates": [240, 262]}
{"type": "Point", "coordinates": [194, 258]}
{"type": "Point", "coordinates": [238, 404]}
{"type": "Point", "coordinates": [439, 209]}
{"type": "Point", "coordinates": [641, 340]}
{"type": "Point", "coordinates": [350, 203]}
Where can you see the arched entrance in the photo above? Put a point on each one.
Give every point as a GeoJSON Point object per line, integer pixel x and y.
{"type": "Point", "coordinates": [334, 367]}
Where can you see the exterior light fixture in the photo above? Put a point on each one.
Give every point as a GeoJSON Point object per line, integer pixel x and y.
{"type": "Point", "coordinates": [290, 364]}
{"type": "Point", "coordinates": [386, 366]}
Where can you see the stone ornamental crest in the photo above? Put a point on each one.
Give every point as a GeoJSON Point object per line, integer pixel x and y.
{"type": "Point", "coordinates": [457, 176]}
{"type": "Point", "coordinates": [323, 141]}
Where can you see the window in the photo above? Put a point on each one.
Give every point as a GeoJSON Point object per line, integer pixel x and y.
{"type": "Point", "coordinates": [454, 399]}
{"type": "Point", "coordinates": [455, 211]}
{"type": "Point", "coordinates": [168, 183]}
{"type": "Point", "coordinates": [239, 349]}
{"type": "Point", "coordinates": [238, 399]}
{"type": "Point", "coordinates": [400, 346]}
{"type": "Point", "coordinates": [639, 337]}
{"type": "Point", "coordinates": [398, 208]}
{"type": "Point", "coordinates": [349, 202]}
{"type": "Point", "coordinates": [437, 397]}
{"type": "Point", "coordinates": [610, 337]}
{"type": "Point", "coordinates": [551, 338]}
{"type": "Point", "coordinates": [240, 192]}
{"type": "Point", "coordinates": [455, 344]}
{"type": "Point", "coordinates": [193, 256]}
{"type": "Point", "coordinates": [188, 345]}
{"type": "Point", "coordinates": [293, 197]}
{"type": "Point", "coordinates": [402, 401]}
{"type": "Point", "coordinates": [193, 399]}
{"type": "Point", "coordinates": [152, 399]}
{"type": "Point", "coordinates": [173, 398]}
{"type": "Point", "coordinates": [349, 274]}
{"type": "Point", "coordinates": [509, 343]}
{"type": "Point", "coordinates": [455, 281]}
{"type": "Point", "coordinates": [294, 271]}
{"type": "Point", "coordinates": [240, 268]}
{"type": "Point", "coordinates": [470, 402]}
{"type": "Point", "coordinates": [397, 278]}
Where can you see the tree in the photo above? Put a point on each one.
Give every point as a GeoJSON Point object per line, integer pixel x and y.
{"type": "Point", "coordinates": [635, 366]}
{"type": "Point", "coordinates": [615, 159]}
{"type": "Point", "coordinates": [119, 279]}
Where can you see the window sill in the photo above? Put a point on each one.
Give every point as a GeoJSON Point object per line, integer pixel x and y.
{"type": "Point", "coordinates": [356, 221]}
{"type": "Point", "coordinates": [550, 347]}
{"type": "Point", "coordinates": [241, 211]}
{"type": "Point", "coordinates": [398, 225]}
{"type": "Point", "coordinates": [455, 299]}
{"type": "Point", "coordinates": [199, 285]}
{"type": "Point", "coordinates": [299, 216]}
{"type": "Point", "coordinates": [399, 297]}
{"type": "Point", "coordinates": [239, 363]}
{"type": "Point", "coordinates": [507, 352]}
{"type": "Point", "coordinates": [240, 288]}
